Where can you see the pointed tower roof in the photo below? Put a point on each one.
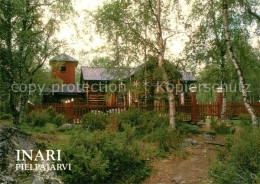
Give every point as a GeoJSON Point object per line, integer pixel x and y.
{"type": "Point", "coordinates": [64, 58]}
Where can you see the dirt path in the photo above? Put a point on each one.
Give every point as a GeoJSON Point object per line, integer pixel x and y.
{"type": "Point", "coordinates": [189, 170]}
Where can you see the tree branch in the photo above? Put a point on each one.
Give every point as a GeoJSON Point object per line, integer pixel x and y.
{"type": "Point", "coordinates": [250, 12]}
{"type": "Point", "coordinates": [248, 9]}
{"type": "Point", "coordinates": [151, 45]}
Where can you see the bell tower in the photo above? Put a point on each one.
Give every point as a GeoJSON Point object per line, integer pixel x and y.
{"type": "Point", "coordinates": [63, 66]}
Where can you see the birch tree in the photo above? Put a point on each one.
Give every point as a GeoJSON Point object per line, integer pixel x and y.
{"type": "Point", "coordinates": [26, 42]}
{"type": "Point", "coordinates": [136, 25]}
{"type": "Point", "coordinates": [235, 62]}
{"type": "Point", "coordinates": [207, 43]}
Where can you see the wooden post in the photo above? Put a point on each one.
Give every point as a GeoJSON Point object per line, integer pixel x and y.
{"type": "Point", "coordinates": [220, 95]}
{"type": "Point", "coordinates": [194, 111]}
{"type": "Point", "coordinates": [129, 98]}
{"type": "Point", "coordinates": [69, 109]}
{"type": "Point", "coordinates": [179, 92]}
{"type": "Point", "coordinates": [87, 92]}
{"type": "Point", "coordinates": [109, 100]}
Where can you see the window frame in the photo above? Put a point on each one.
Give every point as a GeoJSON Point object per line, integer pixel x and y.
{"type": "Point", "coordinates": [63, 67]}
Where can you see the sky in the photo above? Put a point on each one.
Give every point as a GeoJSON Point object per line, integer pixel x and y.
{"type": "Point", "coordinates": [80, 42]}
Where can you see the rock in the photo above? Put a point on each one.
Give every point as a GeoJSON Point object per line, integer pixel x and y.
{"type": "Point", "coordinates": [209, 137]}
{"type": "Point", "coordinates": [191, 142]}
{"type": "Point", "coordinates": [96, 112]}
{"type": "Point", "coordinates": [67, 126]}
{"type": "Point", "coordinates": [194, 159]}
{"type": "Point", "coordinates": [115, 110]}
{"type": "Point", "coordinates": [12, 139]}
{"type": "Point", "coordinates": [43, 178]}
{"type": "Point", "coordinates": [178, 180]}
{"type": "Point", "coordinates": [46, 176]}
{"type": "Point", "coordinates": [7, 180]}
{"type": "Point", "coordinates": [201, 123]}
{"type": "Point", "coordinates": [38, 180]}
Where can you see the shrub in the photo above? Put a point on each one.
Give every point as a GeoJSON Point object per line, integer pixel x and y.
{"type": "Point", "coordinates": [213, 123]}
{"type": "Point", "coordinates": [244, 117]}
{"type": "Point", "coordinates": [187, 129]}
{"type": "Point", "coordinates": [179, 117]}
{"type": "Point", "coordinates": [5, 116]}
{"type": "Point", "coordinates": [94, 121]}
{"type": "Point", "coordinates": [166, 139]}
{"type": "Point", "coordinates": [150, 120]}
{"type": "Point", "coordinates": [41, 117]}
{"type": "Point", "coordinates": [245, 120]}
{"type": "Point", "coordinates": [224, 129]}
{"type": "Point", "coordinates": [38, 118]}
{"type": "Point", "coordinates": [51, 112]}
{"type": "Point", "coordinates": [153, 127]}
{"type": "Point", "coordinates": [59, 120]}
{"type": "Point", "coordinates": [105, 157]}
{"type": "Point", "coordinates": [130, 116]}
{"type": "Point", "coordinates": [240, 163]}
{"type": "Point", "coordinates": [144, 121]}
{"type": "Point", "coordinates": [221, 127]}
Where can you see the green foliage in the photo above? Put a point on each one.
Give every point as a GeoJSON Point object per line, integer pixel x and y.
{"type": "Point", "coordinates": [144, 121]}
{"type": "Point", "coordinates": [224, 129]}
{"type": "Point", "coordinates": [42, 78]}
{"type": "Point", "coordinates": [151, 127]}
{"type": "Point", "coordinates": [125, 23]}
{"type": "Point", "coordinates": [187, 129]}
{"type": "Point", "coordinates": [152, 120]}
{"type": "Point", "coordinates": [240, 162]}
{"type": "Point", "coordinates": [105, 157]}
{"type": "Point", "coordinates": [151, 69]}
{"type": "Point", "coordinates": [245, 119]}
{"type": "Point", "coordinates": [27, 40]}
{"type": "Point", "coordinates": [94, 121]}
{"type": "Point", "coordinates": [221, 127]}
{"type": "Point", "coordinates": [211, 74]}
{"type": "Point", "coordinates": [51, 112]}
{"type": "Point", "coordinates": [208, 47]}
{"type": "Point", "coordinates": [130, 116]}
{"type": "Point", "coordinates": [39, 118]}
{"type": "Point", "coordinates": [5, 116]}
{"type": "Point", "coordinates": [109, 148]}
{"type": "Point", "coordinates": [59, 120]}
{"type": "Point", "coordinates": [166, 139]}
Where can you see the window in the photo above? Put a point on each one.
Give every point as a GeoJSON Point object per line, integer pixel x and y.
{"type": "Point", "coordinates": [63, 69]}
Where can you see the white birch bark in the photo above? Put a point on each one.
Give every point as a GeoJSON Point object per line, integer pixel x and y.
{"type": "Point", "coordinates": [234, 60]}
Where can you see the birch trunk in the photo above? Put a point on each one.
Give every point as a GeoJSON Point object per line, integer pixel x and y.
{"type": "Point", "coordinates": [172, 110]}
{"type": "Point", "coordinates": [224, 104]}
{"type": "Point", "coordinates": [222, 53]}
{"type": "Point", "coordinates": [224, 96]}
{"type": "Point", "coordinates": [161, 44]}
{"type": "Point", "coordinates": [249, 108]}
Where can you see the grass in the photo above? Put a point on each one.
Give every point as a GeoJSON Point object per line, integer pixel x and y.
{"type": "Point", "coordinates": [237, 123]}
{"type": "Point", "coordinates": [43, 136]}
{"type": "Point", "coordinates": [6, 122]}
{"type": "Point", "coordinates": [48, 134]}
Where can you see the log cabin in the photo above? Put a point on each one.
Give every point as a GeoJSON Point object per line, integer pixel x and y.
{"type": "Point", "coordinates": [95, 84]}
